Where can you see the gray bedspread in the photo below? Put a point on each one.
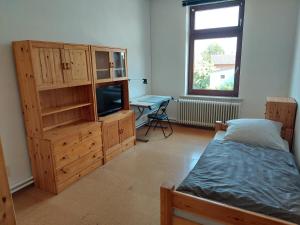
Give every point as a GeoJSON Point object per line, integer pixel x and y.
{"type": "Point", "coordinates": [257, 179]}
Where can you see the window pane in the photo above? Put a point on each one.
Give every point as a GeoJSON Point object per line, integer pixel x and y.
{"type": "Point", "coordinates": [214, 64]}
{"type": "Point", "coordinates": [214, 18]}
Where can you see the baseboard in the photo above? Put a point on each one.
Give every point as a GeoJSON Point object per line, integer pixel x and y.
{"type": "Point", "coordinates": [21, 185]}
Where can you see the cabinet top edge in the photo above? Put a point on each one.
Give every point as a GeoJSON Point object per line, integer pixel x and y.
{"type": "Point", "coordinates": [281, 100]}
{"type": "Point", "coordinates": [62, 44]}
{"type": "Point", "coordinates": [107, 47]}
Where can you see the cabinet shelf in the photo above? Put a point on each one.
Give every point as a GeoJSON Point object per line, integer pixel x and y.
{"type": "Point", "coordinates": [69, 122]}
{"type": "Point", "coordinates": [54, 87]}
{"type": "Point", "coordinates": [53, 110]}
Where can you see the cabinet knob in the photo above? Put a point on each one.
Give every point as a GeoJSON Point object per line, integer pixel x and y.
{"type": "Point", "coordinates": [63, 65]}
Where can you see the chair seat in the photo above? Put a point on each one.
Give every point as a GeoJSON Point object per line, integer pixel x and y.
{"type": "Point", "coordinates": [157, 117]}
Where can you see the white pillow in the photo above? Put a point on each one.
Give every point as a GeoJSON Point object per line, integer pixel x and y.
{"type": "Point", "coordinates": [257, 132]}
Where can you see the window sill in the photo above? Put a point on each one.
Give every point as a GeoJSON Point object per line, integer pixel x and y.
{"type": "Point", "coordinates": [213, 98]}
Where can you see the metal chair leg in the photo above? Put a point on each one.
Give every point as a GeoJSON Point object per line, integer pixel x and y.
{"type": "Point", "coordinates": [149, 126]}
{"type": "Point", "coordinates": [170, 126]}
{"type": "Point", "coordinates": [156, 124]}
{"type": "Point", "coordinates": [162, 129]}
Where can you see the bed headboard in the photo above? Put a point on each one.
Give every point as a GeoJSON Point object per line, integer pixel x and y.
{"type": "Point", "coordinates": [278, 109]}
{"type": "Point", "coordinates": [283, 110]}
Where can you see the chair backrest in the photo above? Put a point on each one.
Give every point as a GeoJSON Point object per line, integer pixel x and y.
{"type": "Point", "coordinates": [163, 107]}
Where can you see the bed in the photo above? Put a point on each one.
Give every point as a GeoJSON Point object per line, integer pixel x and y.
{"type": "Point", "coordinates": [243, 184]}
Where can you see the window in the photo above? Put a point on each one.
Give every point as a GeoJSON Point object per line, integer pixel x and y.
{"type": "Point", "coordinates": [216, 32]}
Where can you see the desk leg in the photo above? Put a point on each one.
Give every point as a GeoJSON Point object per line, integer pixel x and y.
{"type": "Point", "coordinates": [141, 113]}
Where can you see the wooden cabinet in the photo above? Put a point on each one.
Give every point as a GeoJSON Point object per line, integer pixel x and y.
{"type": "Point", "coordinates": [64, 140]}
{"type": "Point", "coordinates": [119, 62]}
{"type": "Point", "coordinates": [109, 64]}
{"type": "Point", "coordinates": [76, 64]}
{"type": "Point", "coordinates": [59, 65]}
{"type": "Point", "coordinates": [111, 132]}
{"type": "Point", "coordinates": [65, 154]}
{"type": "Point", "coordinates": [47, 66]}
{"type": "Point", "coordinates": [57, 90]}
{"type": "Point", "coordinates": [126, 128]}
{"type": "Point", "coordinates": [283, 110]}
{"type": "Point", "coordinates": [7, 211]}
{"type": "Point", "coordinates": [118, 133]}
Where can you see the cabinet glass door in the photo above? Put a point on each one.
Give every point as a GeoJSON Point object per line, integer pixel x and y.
{"type": "Point", "coordinates": [102, 61]}
{"type": "Point", "coordinates": [119, 65]}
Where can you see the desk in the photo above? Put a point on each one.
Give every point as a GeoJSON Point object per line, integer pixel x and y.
{"type": "Point", "coordinates": [147, 102]}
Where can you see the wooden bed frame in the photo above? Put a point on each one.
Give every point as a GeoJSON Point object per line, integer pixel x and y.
{"type": "Point", "coordinates": [218, 212]}
{"type": "Point", "coordinates": [170, 199]}
{"type": "Point", "coordinates": [215, 211]}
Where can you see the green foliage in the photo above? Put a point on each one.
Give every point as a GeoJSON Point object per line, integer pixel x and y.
{"type": "Point", "coordinates": [212, 49]}
{"type": "Point", "coordinates": [202, 77]}
{"type": "Point", "coordinates": [226, 86]}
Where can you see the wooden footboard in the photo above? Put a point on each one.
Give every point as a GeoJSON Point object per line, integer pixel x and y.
{"type": "Point", "coordinates": [220, 126]}
{"type": "Point", "coordinates": [214, 211]}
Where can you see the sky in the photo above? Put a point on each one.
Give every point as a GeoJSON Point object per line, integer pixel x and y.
{"type": "Point", "coordinates": [223, 17]}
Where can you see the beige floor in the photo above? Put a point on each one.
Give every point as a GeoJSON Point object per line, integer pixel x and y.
{"type": "Point", "coordinates": [123, 192]}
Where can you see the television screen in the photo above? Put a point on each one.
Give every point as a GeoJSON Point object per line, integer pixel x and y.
{"type": "Point", "coordinates": [109, 99]}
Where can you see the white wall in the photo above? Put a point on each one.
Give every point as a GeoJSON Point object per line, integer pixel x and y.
{"type": "Point", "coordinates": [120, 23]}
{"type": "Point", "coordinates": [168, 43]}
{"type": "Point", "coordinates": [295, 90]}
{"type": "Point", "coordinates": [268, 44]}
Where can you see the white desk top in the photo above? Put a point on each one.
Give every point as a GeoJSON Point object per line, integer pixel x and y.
{"type": "Point", "coordinates": [149, 100]}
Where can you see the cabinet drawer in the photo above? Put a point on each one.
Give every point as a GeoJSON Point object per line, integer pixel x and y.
{"type": "Point", "coordinates": [75, 167]}
{"type": "Point", "coordinates": [66, 143]}
{"type": "Point", "coordinates": [77, 151]}
{"type": "Point", "coordinates": [63, 185]}
{"type": "Point", "coordinates": [93, 131]}
{"type": "Point", "coordinates": [75, 139]}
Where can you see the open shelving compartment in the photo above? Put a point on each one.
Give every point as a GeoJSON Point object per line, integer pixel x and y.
{"type": "Point", "coordinates": [64, 106]}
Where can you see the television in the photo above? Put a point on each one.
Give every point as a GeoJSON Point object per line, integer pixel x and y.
{"type": "Point", "coordinates": [109, 99]}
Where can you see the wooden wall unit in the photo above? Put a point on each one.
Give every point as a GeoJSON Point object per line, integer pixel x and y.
{"type": "Point", "coordinates": [7, 212]}
{"type": "Point", "coordinates": [109, 64]}
{"type": "Point", "coordinates": [57, 87]}
{"type": "Point", "coordinates": [118, 132]}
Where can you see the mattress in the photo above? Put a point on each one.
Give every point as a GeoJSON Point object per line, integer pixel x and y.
{"type": "Point", "coordinates": [261, 180]}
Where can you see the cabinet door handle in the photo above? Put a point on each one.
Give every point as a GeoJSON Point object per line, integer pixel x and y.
{"type": "Point", "coordinates": [64, 66]}
{"type": "Point", "coordinates": [68, 66]}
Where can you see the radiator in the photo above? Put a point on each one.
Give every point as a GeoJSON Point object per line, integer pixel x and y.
{"type": "Point", "coordinates": [205, 112]}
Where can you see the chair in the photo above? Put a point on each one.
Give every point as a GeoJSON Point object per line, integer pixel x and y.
{"type": "Point", "coordinates": [159, 116]}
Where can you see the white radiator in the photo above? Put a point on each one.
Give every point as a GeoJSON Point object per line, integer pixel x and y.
{"type": "Point", "coordinates": [204, 111]}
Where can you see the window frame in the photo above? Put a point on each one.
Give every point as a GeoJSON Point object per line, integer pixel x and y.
{"type": "Point", "coordinates": [222, 32]}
